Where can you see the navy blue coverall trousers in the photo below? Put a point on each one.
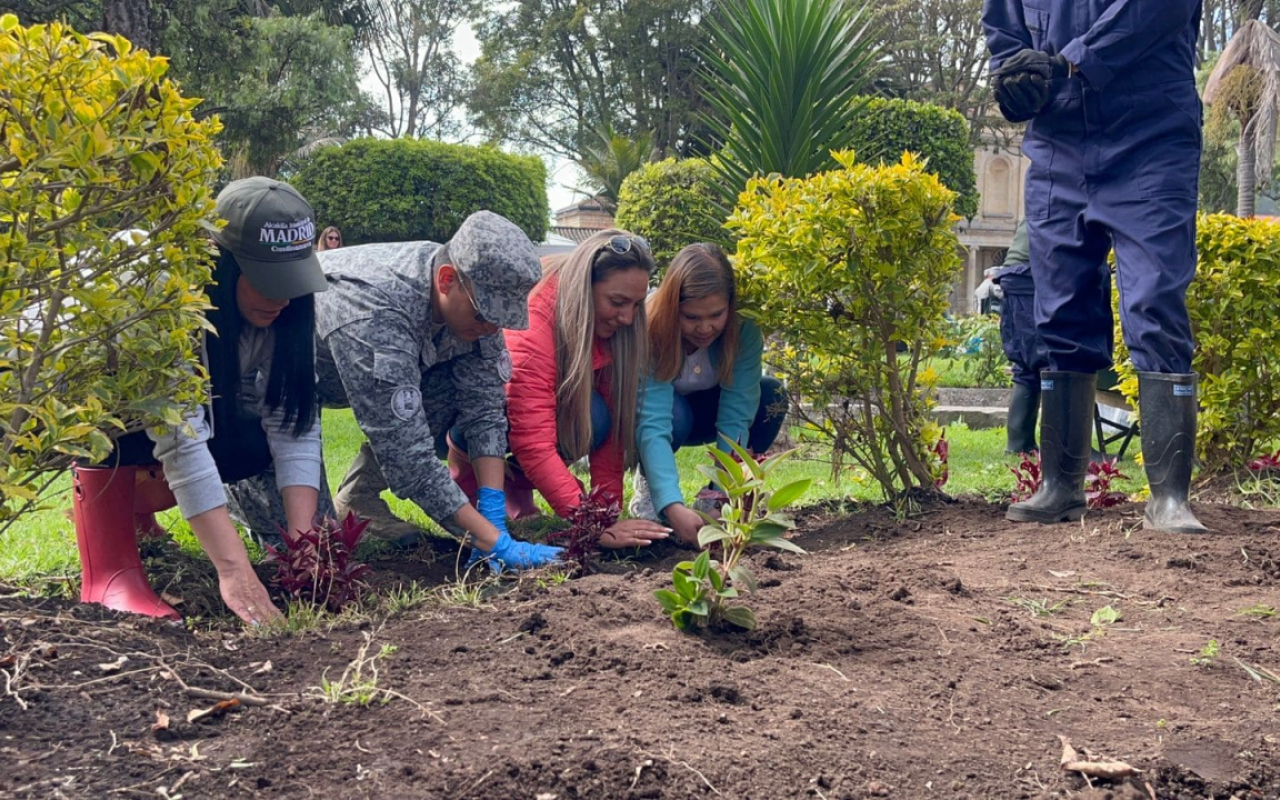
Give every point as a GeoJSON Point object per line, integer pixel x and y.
{"type": "Point", "coordinates": [1115, 158]}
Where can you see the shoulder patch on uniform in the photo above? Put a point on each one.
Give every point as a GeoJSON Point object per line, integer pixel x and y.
{"type": "Point", "coordinates": [504, 365]}
{"type": "Point", "coordinates": [406, 401]}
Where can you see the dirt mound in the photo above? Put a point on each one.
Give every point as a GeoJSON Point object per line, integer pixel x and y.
{"type": "Point", "coordinates": [936, 656]}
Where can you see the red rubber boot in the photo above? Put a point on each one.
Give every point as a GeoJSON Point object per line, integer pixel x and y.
{"type": "Point", "coordinates": [112, 573]}
{"type": "Point", "coordinates": [463, 474]}
{"type": "Point", "coordinates": [151, 494]}
{"type": "Point", "coordinates": [519, 494]}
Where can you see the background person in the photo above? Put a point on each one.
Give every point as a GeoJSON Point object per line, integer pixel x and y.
{"type": "Point", "coordinates": [576, 376]}
{"type": "Point", "coordinates": [1114, 143]}
{"type": "Point", "coordinates": [1020, 341]}
{"type": "Point", "coordinates": [705, 383]}
{"type": "Point", "coordinates": [330, 239]}
{"type": "Point", "coordinates": [264, 416]}
{"type": "Point", "coordinates": [409, 337]}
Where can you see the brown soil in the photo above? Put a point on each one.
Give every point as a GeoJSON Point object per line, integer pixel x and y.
{"type": "Point", "coordinates": [889, 662]}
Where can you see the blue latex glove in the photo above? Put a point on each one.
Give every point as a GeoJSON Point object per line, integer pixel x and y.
{"type": "Point", "coordinates": [512, 554]}
{"type": "Point", "coordinates": [492, 505]}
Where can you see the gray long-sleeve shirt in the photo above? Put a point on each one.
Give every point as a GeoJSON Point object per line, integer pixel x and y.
{"type": "Point", "coordinates": [189, 468]}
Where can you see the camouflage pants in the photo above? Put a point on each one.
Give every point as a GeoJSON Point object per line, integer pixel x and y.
{"type": "Point", "coordinates": [256, 504]}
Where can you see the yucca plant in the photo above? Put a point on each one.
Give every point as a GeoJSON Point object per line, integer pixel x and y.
{"type": "Point", "coordinates": [784, 76]}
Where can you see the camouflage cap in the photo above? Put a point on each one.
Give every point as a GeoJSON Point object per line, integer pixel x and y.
{"type": "Point", "coordinates": [502, 265]}
{"type": "Point", "coordinates": [271, 231]}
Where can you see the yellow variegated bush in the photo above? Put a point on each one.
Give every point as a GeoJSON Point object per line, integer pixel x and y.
{"type": "Point", "coordinates": [1232, 304]}
{"type": "Point", "coordinates": [97, 327]}
{"type": "Point", "coordinates": [849, 271]}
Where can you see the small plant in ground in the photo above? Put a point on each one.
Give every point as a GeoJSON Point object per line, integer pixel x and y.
{"type": "Point", "coordinates": [462, 593]}
{"type": "Point", "coordinates": [404, 598]}
{"type": "Point", "coordinates": [1258, 611]}
{"type": "Point", "coordinates": [1208, 655]}
{"type": "Point", "coordinates": [749, 518]}
{"type": "Point", "coordinates": [1027, 474]}
{"type": "Point", "coordinates": [1099, 621]}
{"type": "Point", "coordinates": [1038, 608]}
{"type": "Point", "coordinates": [1097, 481]}
{"type": "Point", "coordinates": [1097, 484]}
{"type": "Point", "coordinates": [318, 565]}
{"type": "Point", "coordinates": [554, 578]}
{"type": "Point", "coordinates": [1269, 463]}
{"type": "Point", "coordinates": [941, 451]}
{"type": "Point", "coordinates": [595, 514]}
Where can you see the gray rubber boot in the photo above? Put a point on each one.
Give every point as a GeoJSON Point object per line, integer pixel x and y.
{"type": "Point", "coordinates": [1024, 410]}
{"type": "Point", "coordinates": [361, 492]}
{"type": "Point", "coordinates": [1168, 421]}
{"type": "Point", "coordinates": [1066, 428]}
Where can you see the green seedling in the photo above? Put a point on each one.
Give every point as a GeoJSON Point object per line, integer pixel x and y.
{"type": "Point", "coordinates": [1099, 620]}
{"type": "Point", "coordinates": [1208, 654]}
{"type": "Point", "coordinates": [1258, 611]}
{"type": "Point", "coordinates": [750, 518]}
{"type": "Point", "coordinates": [1107, 615]}
{"type": "Point", "coordinates": [1038, 608]}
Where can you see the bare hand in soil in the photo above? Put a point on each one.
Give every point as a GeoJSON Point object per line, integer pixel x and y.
{"type": "Point", "coordinates": [685, 522]}
{"type": "Point", "coordinates": [247, 598]}
{"type": "Point", "coordinates": [633, 533]}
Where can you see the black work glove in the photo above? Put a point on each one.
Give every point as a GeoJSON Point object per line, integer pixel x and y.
{"type": "Point", "coordinates": [1023, 83]}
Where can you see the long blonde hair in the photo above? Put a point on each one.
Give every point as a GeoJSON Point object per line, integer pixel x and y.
{"type": "Point", "coordinates": [322, 243]}
{"type": "Point", "coordinates": [589, 263]}
{"type": "Point", "coordinates": [698, 271]}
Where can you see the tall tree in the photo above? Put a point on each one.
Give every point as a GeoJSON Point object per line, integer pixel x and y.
{"type": "Point", "coordinates": [130, 19]}
{"type": "Point", "coordinates": [422, 82]}
{"type": "Point", "coordinates": [552, 71]}
{"type": "Point", "coordinates": [1245, 87]}
{"type": "Point", "coordinates": [935, 52]}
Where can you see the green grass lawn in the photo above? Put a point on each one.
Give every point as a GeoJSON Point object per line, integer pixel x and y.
{"type": "Point", "coordinates": [41, 547]}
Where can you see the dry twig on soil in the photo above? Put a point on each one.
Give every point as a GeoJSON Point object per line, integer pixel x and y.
{"type": "Point", "coordinates": [1091, 766]}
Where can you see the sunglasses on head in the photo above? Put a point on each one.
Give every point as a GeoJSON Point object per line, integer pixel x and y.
{"type": "Point", "coordinates": [622, 244]}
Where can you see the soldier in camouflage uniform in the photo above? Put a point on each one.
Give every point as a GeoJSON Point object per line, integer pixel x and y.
{"type": "Point", "coordinates": [409, 337]}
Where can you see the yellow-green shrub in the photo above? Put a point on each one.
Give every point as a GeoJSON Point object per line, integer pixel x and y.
{"type": "Point", "coordinates": [843, 269]}
{"type": "Point", "coordinates": [1232, 305]}
{"type": "Point", "coordinates": [671, 204]}
{"type": "Point", "coordinates": [96, 330]}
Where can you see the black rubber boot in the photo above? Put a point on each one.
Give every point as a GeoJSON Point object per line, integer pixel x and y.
{"type": "Point", "coordinates": [1168, 412]}
{"type": "Point", "coordinates": [1024, 408]}
{"type": "Point", "coordinates": [1066, 428]}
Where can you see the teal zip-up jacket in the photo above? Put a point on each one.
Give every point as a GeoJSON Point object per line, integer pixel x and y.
{"type": "Point", "coordinates": [739, 401]}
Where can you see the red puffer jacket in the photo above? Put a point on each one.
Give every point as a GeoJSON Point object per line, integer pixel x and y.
{"type": "Point", "coordinates": [531, 408]}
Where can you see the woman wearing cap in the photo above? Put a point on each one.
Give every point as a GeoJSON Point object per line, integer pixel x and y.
{"type": "Point", "coordinates": [575, 377]}
{"type": "Point", "coordinates": [264, 414]}
{"type": "Point", "coordinates": [704, 386]}
{"type": "Point", "coordinates": [330, 239]}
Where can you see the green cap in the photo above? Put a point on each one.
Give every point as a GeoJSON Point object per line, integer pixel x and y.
{"type": "Point", "coordinates": [271, 231]}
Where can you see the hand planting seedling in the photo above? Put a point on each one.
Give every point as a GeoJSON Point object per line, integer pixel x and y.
{"type": "Point", "coordinates": [749, 518]}
{"type": "Point", "coordinates": [595, 514]}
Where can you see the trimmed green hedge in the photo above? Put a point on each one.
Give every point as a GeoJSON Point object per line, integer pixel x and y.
{"type": "Point", "coordinates": [386, 190]}
{"type": "Point", "coordinates": [885, 128]}
{"type": "Point", "coordinates": [672, 204]}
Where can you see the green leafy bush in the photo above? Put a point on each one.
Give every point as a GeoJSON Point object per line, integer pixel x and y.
{"type": "Point", "coordinates": [671, 204]}
{"type": "Point", "coordinates": [979, 352]}
{"type": "Point", "coordinates": [884, 128]}
{"type": "Point", "coordinates": [379, 190]}
{"type": "Point", "coordinates": [749, 518]}
{"type": "Point", "coordinates": [1232, 307]}
{"type": "Point", "coordinates": [97, 327]}
{"type": "Point", "coordinates": [844, 269]}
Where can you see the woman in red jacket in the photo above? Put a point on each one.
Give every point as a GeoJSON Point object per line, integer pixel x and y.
{"type": "Point", "coordinates": [575, 378]}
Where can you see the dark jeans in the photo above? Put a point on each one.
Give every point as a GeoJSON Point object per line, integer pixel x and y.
{"type": "Point", "coordinates": [693, 417]}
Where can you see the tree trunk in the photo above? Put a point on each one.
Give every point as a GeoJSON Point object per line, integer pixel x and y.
{"type": "Point", "coordinates": [1246, 178]}
{"type": "Point", "coordinates": [130, 19]}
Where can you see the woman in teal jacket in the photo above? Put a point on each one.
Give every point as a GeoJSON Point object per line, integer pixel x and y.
{"type": "Point", "coordinates": [704, 384]}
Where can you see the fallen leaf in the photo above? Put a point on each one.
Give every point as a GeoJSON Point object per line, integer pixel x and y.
{"type": "Point", "coordinates": [215, 710]}
{"type": "Point", "coordinates": [1066, 573]}
{"type": "Point", "coordinates": [9, 660]}
{"type": "Point", "coordinates": [162, 721]}
{"type": "Point", "coordinates": [172, 600]}
{"type": "Point", "coordinates": [114, 666]}
{"type": "Point", "coordinates": [1103, 768]}
{"type": "Point", "coordinates": [259, 667]}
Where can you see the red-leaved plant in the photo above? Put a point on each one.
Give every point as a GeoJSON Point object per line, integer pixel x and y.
{"type": "Point", "coordinates": [318, 565]}
{"type": "Point", "coordinates": [1097, 481]}
{"type": "Point", "coordinates": [1266, 463]}
{"type": "Point", "coordinates": [595, 514]}
{"type": "Point", "coordinates": [941, 450]}
{"type": "Point", "coordinates": [1097, 484]}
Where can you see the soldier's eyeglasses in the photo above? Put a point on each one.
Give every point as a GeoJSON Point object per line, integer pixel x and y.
{"type": "Point", "coordinates": [471, 298]}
